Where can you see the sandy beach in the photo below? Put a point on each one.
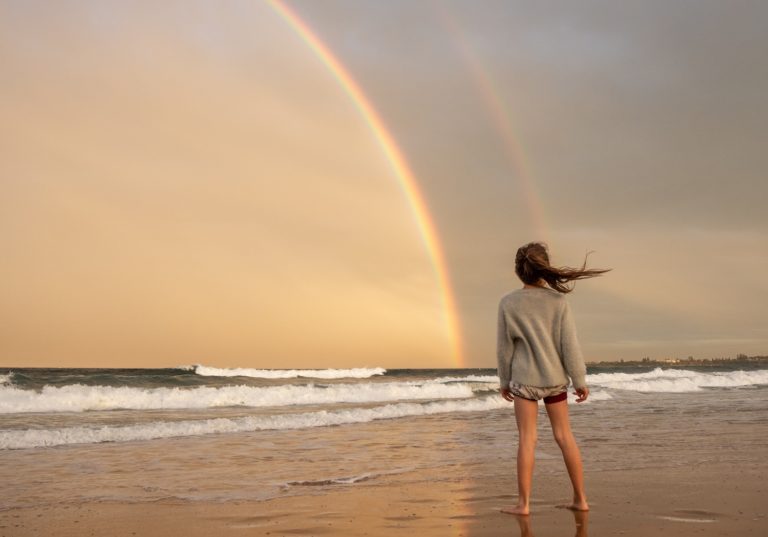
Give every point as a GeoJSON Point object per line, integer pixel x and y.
{"type": "Point", "coordinates": [711, 499]}
{"type": "Point", "coordinates": [667, 462]}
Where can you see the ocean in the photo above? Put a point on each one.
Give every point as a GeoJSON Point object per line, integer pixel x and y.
{"type": "Point", "coordinates": [210, 434]}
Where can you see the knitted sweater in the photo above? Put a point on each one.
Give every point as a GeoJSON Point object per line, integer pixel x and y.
{"type": "Point", "coordinates": [537, 343]}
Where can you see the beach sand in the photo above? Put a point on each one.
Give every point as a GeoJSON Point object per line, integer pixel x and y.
{"type": "Point", "coordinates": [658, 463]}
{"type": "Point", "coordinates": [712, 499]}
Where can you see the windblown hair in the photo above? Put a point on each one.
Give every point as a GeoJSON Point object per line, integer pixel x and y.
{"type": "Point", "coordinates": [532, 264]}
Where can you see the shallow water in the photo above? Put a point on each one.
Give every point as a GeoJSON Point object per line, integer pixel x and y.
{"type": "Point", "coordinates": [388, 429]}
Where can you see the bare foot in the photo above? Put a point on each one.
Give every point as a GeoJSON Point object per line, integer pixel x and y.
{"type": "Point", "coordinates": [575, 506]}
{"type": "Point", "coordinates": [517, 510]}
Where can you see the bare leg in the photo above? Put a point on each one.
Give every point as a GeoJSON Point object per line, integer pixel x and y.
{"type": "Point", "coordinates": [561, 428]}
{"type": "Point", "coordinates": [525, 416]}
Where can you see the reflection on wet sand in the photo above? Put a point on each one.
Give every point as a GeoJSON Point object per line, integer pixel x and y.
{"type": "Point", "coordinates": [581, 519]}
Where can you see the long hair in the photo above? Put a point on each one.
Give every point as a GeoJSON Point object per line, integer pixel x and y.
{"type": "Point", "coordinates": [532, 265]}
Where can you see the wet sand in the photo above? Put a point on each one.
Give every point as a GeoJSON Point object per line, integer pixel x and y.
{"type": "Point", "coordinates": [712, 499]}
{"type": "Point", "coordinates": [655, 464]}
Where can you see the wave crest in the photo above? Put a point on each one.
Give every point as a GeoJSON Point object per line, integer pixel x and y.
{"type": "Point", "coordinates": [79, 398]}
{"type": "Point", "coordinates": [678, 380]}
{"type": "Point", "coordinates": [31, 438]}
{"type": "Point", "coordinates": [355, 373]}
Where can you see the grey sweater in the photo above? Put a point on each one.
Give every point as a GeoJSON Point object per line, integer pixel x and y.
{"type": "Point", "coordinates": [537, 343]}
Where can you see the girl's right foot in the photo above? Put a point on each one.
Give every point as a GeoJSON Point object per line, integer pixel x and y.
{"type": "Point", "coordinates": [577, 505]}
{"type": "Point", "coordinates": [516, 510]}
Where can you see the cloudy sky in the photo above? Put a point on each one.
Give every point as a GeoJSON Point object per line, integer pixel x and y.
{"type": "Point", "coordinates": [189, 182]}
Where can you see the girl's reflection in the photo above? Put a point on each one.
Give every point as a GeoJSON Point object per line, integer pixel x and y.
{"type": "Point", "coordinates": [581, 519]}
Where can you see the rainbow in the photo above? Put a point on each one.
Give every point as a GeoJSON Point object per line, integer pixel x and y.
{"type": "Point", "coordinates": [500, 116]}
{"type": "Point", "coordinates": [399, 165]}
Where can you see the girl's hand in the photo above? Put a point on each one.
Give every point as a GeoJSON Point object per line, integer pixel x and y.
{"type": "Point", "coordinates": [583, 393]}
{"type": "Point", "coordinates": [506, 394]}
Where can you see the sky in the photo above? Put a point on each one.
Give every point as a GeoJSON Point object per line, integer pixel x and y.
{"type": "Point", "coordinates": [192, 182]}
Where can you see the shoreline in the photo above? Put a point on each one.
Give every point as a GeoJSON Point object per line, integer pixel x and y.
{"type": "Point", "coordinates": [686, 463]}
{"type": "Point", "coordinates": [705, 500]}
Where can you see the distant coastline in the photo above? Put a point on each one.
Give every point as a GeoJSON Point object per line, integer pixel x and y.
{"type": "Point", "coordinates": [741, 359]}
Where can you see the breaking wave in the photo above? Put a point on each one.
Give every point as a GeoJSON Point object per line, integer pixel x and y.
{"type": "Point", "coordinates": [79, 397]}
{"type": "Point", "coordinates": [356, 373]}
{"type": "Point", "coordinates": [490, 379]}
{"type": "Point", "coordinates": [31, 438]}
{"type": "Point", "coordinates": [678, 380]}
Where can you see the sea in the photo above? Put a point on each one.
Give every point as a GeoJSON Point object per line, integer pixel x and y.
{"type": "Point", "coordinates": [208, 434]}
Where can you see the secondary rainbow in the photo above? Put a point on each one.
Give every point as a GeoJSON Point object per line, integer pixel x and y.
{"type": "Point", "coordinates": [399, 165]}
{"type": "Point", "coordinates": [501, 117]}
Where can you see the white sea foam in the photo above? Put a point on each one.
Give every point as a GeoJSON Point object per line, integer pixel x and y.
{"type": "Point", "coordinates": [6, 379]}
{"type": "Point", "coordinates": [692, 520]}
{"type": "Point", "coordinates": [332, 481]}
{"type": "Point", "coordinates": [490, 379]}
{"type": "Point", "coordinates": [78, 397]}
{"type": "Point", "coordinates": [593, 396]}
{"type": "Point", "coordinates": [678, 380]}
{"type": "Point", "coordinates": [31, 438]}
{"type": "Point", "coordinates": [349, 480]}
{"type": "Point", "coordinates": [356, 373]}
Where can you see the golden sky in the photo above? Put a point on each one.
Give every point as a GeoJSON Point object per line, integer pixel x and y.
{"type": "Point", "coordinates": [188, 183]}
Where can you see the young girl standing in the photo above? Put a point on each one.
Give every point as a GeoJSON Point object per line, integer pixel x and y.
{"type": "Point", "coordinates": [538, 351]}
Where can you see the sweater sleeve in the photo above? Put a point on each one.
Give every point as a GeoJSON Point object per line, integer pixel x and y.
{"type": "Point", "coordinates": [570, 349]}
{"type": "Point", "coordinates": [504, 349]}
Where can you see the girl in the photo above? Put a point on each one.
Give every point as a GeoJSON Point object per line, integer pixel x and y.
{"type": "Point", "coordinates": [537, 351]}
